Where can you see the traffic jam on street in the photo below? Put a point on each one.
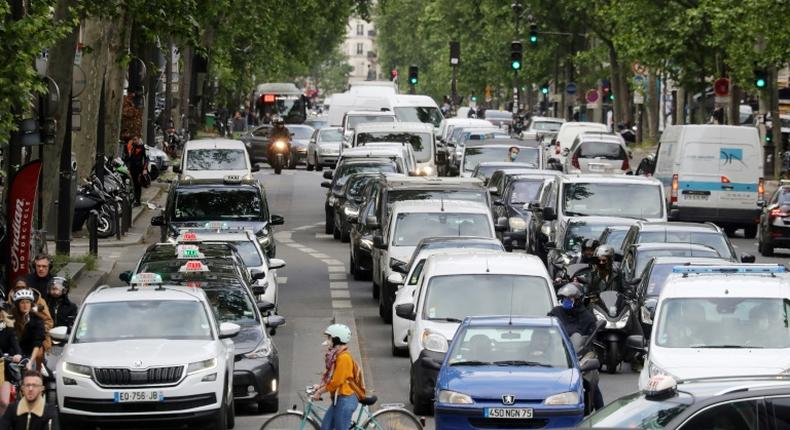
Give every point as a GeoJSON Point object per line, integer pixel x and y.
{"type": "Point", "coordinates": [591, 232]}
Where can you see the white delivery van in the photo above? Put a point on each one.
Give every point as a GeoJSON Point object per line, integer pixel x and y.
{"type": "Point", "coordinates": [416, 108]}
{"type": "Point", "coordinates": [420, 136]}
{"type": "Point", "coordinates": [712, 173]}
{"type": "Point", "coordinates": [345, 102]}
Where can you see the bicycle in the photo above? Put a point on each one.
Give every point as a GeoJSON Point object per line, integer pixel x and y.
{"type": "Point", "coordinates": [390, 417]}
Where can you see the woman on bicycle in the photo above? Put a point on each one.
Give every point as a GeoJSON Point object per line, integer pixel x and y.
{"type": "Point", "coordinates": [29, 325]}
{"type": "Point", "coordinates": [9, 345]}
{"type": "Point", "coordinates": [340, 367]}
{"type": "Point", "coordinates": [40, 304]}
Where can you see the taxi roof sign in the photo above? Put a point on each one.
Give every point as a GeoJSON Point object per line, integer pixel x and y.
{"type": "Point", "coordinates": [217, 225]}
{"type": "Point", "coordinates": [182, 248]}
{"type": "Point", "coordinates": [188, 236]}
{"type": "Point", "coordinates": [146, 278]}
{"type": "Point", "coordinates": [193, 266]}
{"type": "Point", "coordinates": [189, 253]}
{"type": "Point", "coordinates": [751, 268]}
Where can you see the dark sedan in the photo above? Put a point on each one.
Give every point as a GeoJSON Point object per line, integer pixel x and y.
{"type": "Point", "coordinates": [347, 204]}
{"type": "Point", "coordinates": [774, 229]}
{"type": "Point", "coordinates": [511, 210]}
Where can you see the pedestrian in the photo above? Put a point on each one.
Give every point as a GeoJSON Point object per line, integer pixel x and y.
{"type": "Point", "coordinates": [29, 325]}
{"type": "Point", "coordinates": [63, 311]}
{"type": "Point", "coordinates": [135, 157]}
{"type": "Point", "coordinates": [345, 385]}
{"type": "Point", "coordinates": [31, 412]}
{"type": "Point", "coordinates": [40, 277]}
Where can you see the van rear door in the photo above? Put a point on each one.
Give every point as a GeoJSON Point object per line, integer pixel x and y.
{"type": "Point", "coordinates": [718, 175]}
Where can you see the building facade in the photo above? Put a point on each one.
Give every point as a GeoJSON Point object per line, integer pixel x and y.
{"type": "Point", "coordinates": [360, 47]}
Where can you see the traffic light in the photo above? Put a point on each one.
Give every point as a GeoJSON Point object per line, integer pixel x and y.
{"type": "Point", "coordinates": [760, 78]}
{"type": "Point", "coordinates": [474, 98]}
{"type": "Point", "coordinates": [515, 55]}
{"type": "Point", "coordinates": [413, 72]}
{"type": "Point", "coordinates": [606, 90]}
{"type": "Point", "coordinates": [544, 89]}
{"type": "Point", "coordinates": [533, 34]}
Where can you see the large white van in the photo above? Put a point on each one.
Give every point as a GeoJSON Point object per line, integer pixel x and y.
{"type": "Point", "coordinates": [712, 173]}
{"type": "Point", "coordinates": [414, 108]}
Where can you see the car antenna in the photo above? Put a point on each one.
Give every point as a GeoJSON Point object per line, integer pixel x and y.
{"type": "Point", "coordinates": [442, 200]}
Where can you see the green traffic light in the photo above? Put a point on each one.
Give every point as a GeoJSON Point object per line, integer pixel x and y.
{"type": "Point", "coordinates": [544, 90]}
{"type": "Point", "coordinates": [474, 98]}
{"type": "Point", "coordinates": [760, 83]}
{"type": "Point", "coordinates": [413, 81]}
{"type": "Point", "coordinates": [515, 64]}
{"type": "Point", "coordinates": [533, 39]}
{"type": "Point", "coordinates": [767, 138]}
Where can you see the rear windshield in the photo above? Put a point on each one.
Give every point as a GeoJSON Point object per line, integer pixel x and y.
{"type": "Point", "coordinates": [546, 126]}
{"type": "Point", "coordinates": [411, 228]}
{"type": "Point", "coordinates": [427, 114]}
{"type": "Point", "coordinates": [605, 150]}
{"type": "Point", "coordinates": [525, 191]}
{"type": "Point", "coordinates": [578, 232]}
{"type": "Point", "coordinates": [221, 203]}
{"type": "Point", "coordinates": [480, 154]}
{"type": "Point", "coordinates": [301, 132]}
{"type": "Point", "coordinates": [420, 142]}
{"type": "Point", "coordinates": [355, 120]}
{"type": "Point", "coordinates": [216, 159]}
{"type": "Point", "coordinates": [331, 135]}
{"type": "Point", "coordinates": [612, 199]}
{"type": "Point", "coordinates": [714, 240]}
{"type": "Point", "coordinates": [342, 174]}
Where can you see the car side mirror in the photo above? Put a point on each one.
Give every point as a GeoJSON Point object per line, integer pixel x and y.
{"type": "Point", "coordinates": [405, 311]}
{"type": "Point", "coordinates": [274, 321]}
{"type": "Point", "coordinates": [591, 364]}
{"type": "Point", "coordinates": [176, 169]}
{"type": "Point", "coordinates": [326, 184]}
{"type": "Point", "coordinates": [276, 263]}
{"type": "Point", "coordinates": [265, 306]}
{"type": "Point", "coordinates": [255, 168]}
{"type": "Point", "coordinates": [157, 220]}
{"type": "Point", "coordinates": [395, 278]}
{"type": "Point", "coordinates": [328, 174]}
{"type": "Point", "coordinates": [227, 330]}
{"type": "Point", "coordinates": [125, 276]}
{"type": "Point", "coordinates": [378, 242]}
{"type": "Point", "coordinates": [501, 224]}
{"type": "Point", "coordinates": [276, 220]}
{"type": "Point", "coordinates": [373, 222]}
{"type": "Point", "coordinates": [549, 214]}
{"type": "Point", "coordinates": [60, 333]}
{"type": "Point", "coordinates": [258, 275]}
{"type": "Point", "coordinates": [258, 290]}
{"type": "Point", "coordinates": [747, 258]}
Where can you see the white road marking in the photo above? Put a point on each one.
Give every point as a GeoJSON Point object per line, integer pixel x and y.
{"type": "Point", "coordinates": [282, 280]}
{"type": "Point", "coordinates": [319, 255]}
{"type": "Point", "coordinates": [337, 269]}
{"type": "Point", "coordinates": [341, 304]}
{"type": "Point", "coordinates": [337, 285]}
{"type": "Point", "coordinates": [308, 250]}
{"type": "Point", "coordinates": [340, 294]}
{"type": "Point", "coordinates": [332, 262]}
{"type": "Point", "coordinates": [304, 227]}
{"type": "Point", "coordinates": [322, 236]}
{"type": "Point", "coordinates": [337, 276]}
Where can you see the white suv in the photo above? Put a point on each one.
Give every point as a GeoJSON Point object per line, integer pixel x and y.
{"type": "Point", "coordinates": [215, 159]}
{"type": "Point", "coordinates": [146, 352]}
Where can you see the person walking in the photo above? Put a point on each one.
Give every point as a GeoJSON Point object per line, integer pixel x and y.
{"type": "Point", "coordinates": [31, 412]}
{"type": "Point", "coordinates": [40, 278]}
{"type": "Point", "coordinates": [135, 157]}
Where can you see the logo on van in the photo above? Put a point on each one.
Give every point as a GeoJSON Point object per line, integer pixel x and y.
{"type": "Point", "coordinates": [728, 155]}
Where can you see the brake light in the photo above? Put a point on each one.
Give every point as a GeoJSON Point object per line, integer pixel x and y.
{"type": "Point", "coordinates": [557, 147]}
{"type": "Point", "coordinates": [673, 195]}
{"type": "Point", "coordinates": [626, 165]}
{"type": "Point", "coordinates": [761, 190]}
{"type": "Point", "coordinates": [778, 213]}
{"type": "Point", "coordinates": [575, 161]}
{"type": "Point", "coordinates": [725, 180]}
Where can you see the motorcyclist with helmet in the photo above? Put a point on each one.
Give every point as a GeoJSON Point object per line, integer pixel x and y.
{"type": "Point", "coordinates": [604, 277]}
{"type": "Point", "coordinates": [279, 130]}
{"type": "Point", "coordinates": [587, 255]}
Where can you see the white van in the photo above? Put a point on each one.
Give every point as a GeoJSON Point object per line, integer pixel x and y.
{"type": "Point", "coordinates": [341, 104]}
{"type": "Point", "coordinates": [420, 136]}
{"type": "Point", "coordinates": [566, 136]}
{"type": "Point", "coordinates": [712, 173]}
{"type": "Point", "coordinates": [415, 108]}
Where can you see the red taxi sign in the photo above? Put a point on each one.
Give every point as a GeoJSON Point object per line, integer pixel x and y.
{"type": "Point", "coordinates": [146, 278]}
{"type": "Point", "coordinates": [188, 236]}
{"type": "Point", "coordinates": [193, 266]}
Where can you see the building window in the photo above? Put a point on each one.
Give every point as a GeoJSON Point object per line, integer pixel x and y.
{"type": "Point", "coordinates": [361, 69]}
{"type": "Point", "coordinates": [360, 29]}
{"type": "Point", "coordinates": [360, 48]}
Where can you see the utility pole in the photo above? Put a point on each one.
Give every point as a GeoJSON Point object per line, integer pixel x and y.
{"type": "Point", "coordinates": [455, 59]}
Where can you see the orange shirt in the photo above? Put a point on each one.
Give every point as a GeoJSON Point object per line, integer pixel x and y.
{"type": "Point", "coordinates": [344, 370]}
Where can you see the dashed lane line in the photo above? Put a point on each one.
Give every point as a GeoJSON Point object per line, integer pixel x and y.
{"type": "Point", "coordinates": [338, 285]}
{"type": "Point", "coordinates": [336, 269]}
{"type": "Point", "coordinates": [319, 255]}
{"type": "Point", "coordinates": [340, 294]}
{"type": "Point", "coordinates": [341, 304]}
{"type": "Point", "coordinates": [282, 280]}
{"type": "Point", "coordinates": [333, 262]}
{"type": "Point", "coordinates": [337, 276]}
{"type": "Point", "coordinates": [322, 236]}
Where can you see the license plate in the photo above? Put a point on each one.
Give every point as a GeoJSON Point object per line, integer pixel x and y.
{"type": "Point", "coordinates": [138, 396]}
{"type": "Point", "coordinates": [509, 413]}
{"type": "Point", "coordinates": [695, 197]}
{"type": "Point", "coordinates": [597, 167]}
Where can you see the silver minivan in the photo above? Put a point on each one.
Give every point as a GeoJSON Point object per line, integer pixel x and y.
{"type": "Point", "coordinates": [598, 152]}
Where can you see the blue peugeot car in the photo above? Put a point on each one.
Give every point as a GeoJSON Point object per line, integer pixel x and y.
{"type": "Point", "coordinates": [503, 372]}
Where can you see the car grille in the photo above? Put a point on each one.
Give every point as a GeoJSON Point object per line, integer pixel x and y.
{"type": "Point", "coordinates": [505, 423]}
{"type": "Point", "coordinates": [127, 377]}
{"type": "Point", "coordinates": [168, 404]}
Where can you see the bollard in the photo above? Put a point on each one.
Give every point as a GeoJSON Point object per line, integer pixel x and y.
{"type": "Point", "coordinates": [116, 219]}
{"type": "Point", "coordinates": [93, 234]}
{"type": "Point", "coordinates": [126, 219]}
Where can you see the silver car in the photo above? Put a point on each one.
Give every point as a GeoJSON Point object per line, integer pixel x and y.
{"type": "Point", "coordinates": [598, 152]}
{"type": "Point", "coordinates": [324, 148]}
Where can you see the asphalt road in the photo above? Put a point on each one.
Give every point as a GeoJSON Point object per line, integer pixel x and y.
{"type": "Point", "coordinates": [316, 289]}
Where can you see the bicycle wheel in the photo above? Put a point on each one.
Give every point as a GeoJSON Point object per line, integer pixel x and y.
{"type": "Point", "coordinates": [291, 420]}
{"type": "Point", "coordinates": [392, 419]}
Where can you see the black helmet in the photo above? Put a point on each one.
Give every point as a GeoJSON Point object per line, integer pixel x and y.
{"type": "Point", "coordinates": [590, 244]}
{"type": "Point", "coordinates": [570, 290]}
{"type": "Point", "coordinates": [278, 121]}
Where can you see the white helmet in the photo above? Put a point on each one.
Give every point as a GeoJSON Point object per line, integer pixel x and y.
{"type": "Point", "coordinates": [25, 294]}
{"type": "Point", "coordinates": [340, 331]}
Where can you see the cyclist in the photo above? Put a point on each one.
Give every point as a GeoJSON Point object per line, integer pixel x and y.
{"type": "Point", "coordinates": [9, 345]}
{"type": "Point", "coordinates": [29, 325]}
{"type": "Point", "coordinates": [340, 385]}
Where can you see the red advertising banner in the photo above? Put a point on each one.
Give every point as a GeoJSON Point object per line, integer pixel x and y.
{"type": "Point", "coordinates": [21, 201]}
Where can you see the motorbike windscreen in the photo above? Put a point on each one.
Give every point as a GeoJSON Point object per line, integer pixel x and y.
{"type": "Point", "coordinates": [479, 154]}
{"type": "Point", "coordinates": [412, 227]}
{"type": "Point", "coordinates": [510, 346]}
{"type": "Point", "coordinates": [424, 114]}
{"type": "Point", "coordinates": [215, 204]}
{"type": "Point", "coordinates": [216, 159]}
{"type": "Point", "coordinates": [612, 199]}
{"type": "Point", "coordinates": [420, 142]}
{"type": "Point", "coordinates": [455, 297]}
{"type": "Point", "coordinates": [723, 322]}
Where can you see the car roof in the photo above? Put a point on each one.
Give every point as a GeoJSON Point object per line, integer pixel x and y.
{"type": "Point", "coordinates": [485, 263]}
{"type": "Point", "coordinates": [217, 183]}
{"type": "Point", "coordinates": [497, 143]}
{"type": "Point", "coordinates": [506, 320]}
{"type": "Point", "coordinates": [671, 246]}
{"type": "Point", "coordinates": [373, 151]}
{"type": "Point", "coordinates": [607, 220]}
{"type": "Point", "coordinates": [677, 226]}
{"type": "Point", "coordinates": [603, 179]}
{"type": "Point", "coordinates": [417, 127]}
{"type": "Point", "coordinates": [726, 284]}
{"type": "Point", "coordinates": [107, 294]}
{"type": "Point", "coordinates": [370, 112]}
{"type": "Point", "coordinates": [570, 124]}
{"type": "Point", "coordinates": [691, 261]}
{"type": "Point", "coordinates": [515, 165]}
{"type": "Point", "coordinates": [403, 181]}
{"type": "Point", "coordinates": [367, 160]}
{"type": "Point", "coordinates": [600, 136]}
{"type": "Point", "coordinates": [439, 205]}
{"type": "Point", "coordinates": [456, 239]}
{"type": "Point", "coordinates": [540, 174]}
{"type": "Point", "coordinates": [324, 129]}
{"type": "Point", "coordinates": [212, 143]}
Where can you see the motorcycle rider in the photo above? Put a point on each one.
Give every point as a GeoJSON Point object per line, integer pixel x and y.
{"type": "Point", "coordinates": [604, 275]}
{"type": "Point", "coordinates": [588, 251]}
{"type": "Point", "coordinates": [279, 130]}
{"type": "Point", "coordinates": [62, 309]}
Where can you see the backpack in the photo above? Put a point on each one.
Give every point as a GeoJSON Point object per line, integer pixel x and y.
{"type": "Point", "coordinates": [357, 380]}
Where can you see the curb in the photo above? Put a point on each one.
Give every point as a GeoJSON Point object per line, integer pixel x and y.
{"type": "Point", "coordinates": [346, 317]}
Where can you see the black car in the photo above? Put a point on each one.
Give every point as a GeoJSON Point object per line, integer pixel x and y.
{"type": "Point", "coordinates": [347, 203]}
{"type": "Point", "coordinates": [774, 229]}
{"type": "Point", "coordinates": [236, 202]}
{"type": "Point", "coordinates": [638, 255]}
{"type": "Point", "coordinates": [614, 237]}
{"type": "Point", "coordinates": [707, 234]}
{"type": "Point", "coordinates": [257, 142]}
{"type": "Point", "coordinates": [510, 209]}
{"type": "Point", "coordinates": [484, 170]}
{"type": "Point", "coordinates": [340, 175]}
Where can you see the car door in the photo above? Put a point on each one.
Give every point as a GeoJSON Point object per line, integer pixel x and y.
{"type": "Point", "coordinates": [779, 411]}
{"type": "Point", "coordinates": [742, 414]}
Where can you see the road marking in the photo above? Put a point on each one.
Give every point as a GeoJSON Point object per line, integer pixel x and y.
{"type": "Point", "coordinates": [333, 262]}
{"type": "Point", "coordinates": [308, 250]}
{"type": "Point", "coordinates": [304, 227]}
{"type": "Point", "coordinates": [282, 280]}
{"type": "Point", "coordinates": [337, 285]}
{"type": "Point", "coordinates": [340, 294]}
{"type": "Point", "coordinates": [337, 276]}
{"type": "Point", "coordinates": [322, 236]}
{"type": "Point", "coordinates": [320, 255]}
{"type": "Point", "coordinates": [341, 304]}
{"type": "Point", "coordinates": [337, 269]}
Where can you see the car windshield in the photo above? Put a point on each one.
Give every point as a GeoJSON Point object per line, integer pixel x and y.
{"type": "Point", "coordinates": [249, 253]}
{"type": "Point", "coordinates": [356, 185]}
{"type": "Point", "coordinates": [355, 120]}
{"type": "Point", "coordinates": [510, 346]}
{"type": "Point", "coordinates": [580, 231]}
{"type": "Point", "coordinates": [634, 411]}
{"type": "Point", "coordinates": [604, 150]}
{"type": "Point", "coordinates": [427, 114]}
{"type": "Point", "coordinates": [615, 238]}
{"type": "Point", "coordinates": [612, 199]}
{"type": "Point", "coordinates": [231, 305]}
{"type": "Point", "coordinates": [784, 196]}
{"type": "Point", "coordinates": [346, 170]}
{"type": "Point", "coordinates": [216, 159]}
{"type": "Point", "coordinates": [546, 126]}
{"type": "Point", "coordinates": [301, 132]}
{"type": "Point", "coordinates": [143, 319]}
{"type": "Point", "coordinates": [420, 142]}
{"type": "Point", "coordinates": [221, 203]}
{"type": "Point", "coordinates": [714, 240]}
{"type": "Point", "coordinates": [331, 135]}
{"type": "Point", "coordinates": [723, 322]}
{"type": "Point", "coordinates": [455, 297]}
{"type": "Point", "coordinates": [525, 191]}
{"type": "Point", "coordinates": [644, 255]}
{"type": "Point", "coordinates": [412, 227]}
{"type": "Point", "coordinates": [479, 154]}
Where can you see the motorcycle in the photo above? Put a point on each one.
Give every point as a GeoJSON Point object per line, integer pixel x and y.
{"type": "Point", "coordinates": [615, 309]}
{"type": "Point", "coordinates": [279, 154]}
{"type": "Point", "coordinates": [93, 196]}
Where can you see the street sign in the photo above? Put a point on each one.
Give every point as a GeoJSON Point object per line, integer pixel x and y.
{"type": "Point", "coordinates": [639, 98]}
{"type": "Point", "coordinates": [592, 96]}
{"type": "Point", "coordinates": [570, 88]}
{"type": "Point", "coordinates": [638, 69]}
{"type": "Point", "coordinates": [639, 80]}
{"type": "Point", "coordinates": [721, 87]}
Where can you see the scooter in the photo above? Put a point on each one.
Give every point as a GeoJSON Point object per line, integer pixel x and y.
{"type": "Point", "coordinates": [92, 196]}
{"type": "Point", "coordinates": [279, 154]}
{"type": "Point", "coordinates": [615, 309]}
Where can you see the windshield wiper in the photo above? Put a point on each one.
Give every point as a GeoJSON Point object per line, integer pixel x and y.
{"type": "Point", "coordinates": [572, 213]}
{"type": "Point", "coordinates": [448, 319]}
{"type": "Point", "coordinates": [470, 363]}
{"type": "Point", "coordinates": [521, 363]}
{"type": "Point", "coordinates": [725, 346]}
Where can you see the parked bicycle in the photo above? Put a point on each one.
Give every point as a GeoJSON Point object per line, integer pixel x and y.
{"type": "Point", "coordinates": [389, 417]}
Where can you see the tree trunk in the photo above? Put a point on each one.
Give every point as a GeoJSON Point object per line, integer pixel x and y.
{"type": "Point", "coordinates": [60, 67]}
{"type": "Point", "coordinates": [776, 124]}
{"type": "Point", "coordinates": [168, 112]}
{"type": "Point", "coordinates": [653, 107]}
{"type": "Point", "coordinates": [734, 106]}
{"type": "Point", "coordinates": [623, 96]}
{"type": "Point", "coordinates": [184, 85]}
{"type": "Point", "coordinates": [680, 106]}
{"type": "Point", "coordinates": [614, 72]}
{"type": "Point", "coordinates": [118, 33]}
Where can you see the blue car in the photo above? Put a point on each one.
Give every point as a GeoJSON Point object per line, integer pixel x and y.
{"type": "Point", "coordinates": [503, 372]}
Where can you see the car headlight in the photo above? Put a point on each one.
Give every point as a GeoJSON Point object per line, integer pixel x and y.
{"type": "Point", "coordinates": [350, 211]}
{"type": "Point", "coordinates": [262, 351]}
{"type": "Point", "coordinates": [566, 398]}
{"type": "Point", "coordinates": [366, 244]}
{"type": "Point", "coordinates": [454, 397]}
{"type": "Point", "coordinates": [517, 223]}
{"type": "Point", "coordinates": [77, 369]}
{"type": "Point", "coordinates": [434, 341]}
{"type": "Point", "coordinates": [200, 366]}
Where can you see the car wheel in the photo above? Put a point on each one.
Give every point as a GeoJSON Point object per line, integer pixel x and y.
{"type": "Point", "coordinates": [318, 166]}
{"type": "Point", "coordinates": [764, 247]}
{"type": "Point", "coordinates": [750, 231]}
{"type": "Point", "coordinates": [396, 350]}
{"type": "Point", "coordinates": [385, 306]}
{"type": "Point", "coordinates": [375, 288]}
{"type": "Point", "coordinates": [268, 406]}
{"type": "Point", "coordinates": [729, 231]}
{"type": "Point", "coordinates": [335, 231]}
{"type": "Point", "coordinates": [351, 269]}
{"type": "Point", "coordinates": [231, 416]}
{"type": "Point", "coordinates": [345, 234]}
{"type": "Point", "coordinates": [330, 223]}
{"type": "Point", "coordinates": [309, 166]}
{"type": "Point", "coordinates": [221, 417]}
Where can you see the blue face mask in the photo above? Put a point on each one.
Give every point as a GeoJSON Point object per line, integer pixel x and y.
{"type": "Point", "coordinates": [567, 304]}
{"type": "Point", "coordinates": [513, 156]}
